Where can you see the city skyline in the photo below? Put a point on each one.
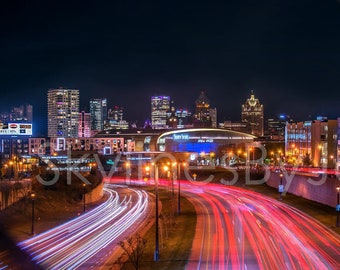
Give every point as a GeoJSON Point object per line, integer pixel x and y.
{"type": "Point", "coordinates": [42, 130]}
{"type": "Point", "coordinates": [286, 51]}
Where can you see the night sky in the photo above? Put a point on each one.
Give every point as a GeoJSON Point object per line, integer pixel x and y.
{"type": "Point", "coordinates": [288, 51]}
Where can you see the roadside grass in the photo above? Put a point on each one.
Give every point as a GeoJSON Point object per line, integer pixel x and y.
{"type": "Point", "coordinates": [52, 208]}
{"type": "Point", "coordinates": [176, 234]}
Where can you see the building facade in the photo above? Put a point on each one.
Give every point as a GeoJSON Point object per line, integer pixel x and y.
{"type": "Point", "coordinates": [312, 143]}
{"type": "Point", "coordinates": [20, 114]}
{"type": "Point", "coordinates": [63, 112]}
{"type": "Point", "coordinates": [275, 128]}
{"type": "Point", "coordinates": [252, 113]}
{"type": "Point", "coordinates": [98, 111]}
{"type": "Point", "coordinates": [84, 129]}
{"type": "Point", "coordinates": [160, 106]}
{"type": "Point", "coordinates": [184, 118]}
{"type": "Point", "coordinates": [115, 119]}
{"type": "Point", "coordinates": [202, 117]}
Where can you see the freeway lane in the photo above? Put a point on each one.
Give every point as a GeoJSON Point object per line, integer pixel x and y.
{"type": "Point", "coordinates": [240, 229]}
{"type": "Point", "coordinates": [76, 244]}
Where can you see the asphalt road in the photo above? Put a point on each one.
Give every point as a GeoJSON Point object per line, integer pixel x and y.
{"type": "Point", "coordinates": [240, 229]}
{"type": "Point", "coordinates": [86, 241]}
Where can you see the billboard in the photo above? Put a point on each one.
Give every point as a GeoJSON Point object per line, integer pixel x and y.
{"type": "Point", "coordinates": [16, 129]}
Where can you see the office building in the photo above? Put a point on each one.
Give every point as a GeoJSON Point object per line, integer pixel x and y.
{"type": "Point", "coordinates": [115, 119]}
{"type": "Point", "coordinates": [252, 113]}
{"type": "Point", "coordinates": [20, 114]}
{"type": "Point", "coordinates": [84, 129]}
{"type": "Point", "coordinates": [63, 112]}
{"type": "Point", "coordinates": [202, 117]}
{"type": "Point", "coordinates": [98, 111]}
{"type": "Point", "coordinates": [275, 129]}
{"type": "Point", "coordinates": [312, 143]}
{"type": "Point", "coordinates": [184, 118]}
{"type": "Point", "coordinates": [160, 106]}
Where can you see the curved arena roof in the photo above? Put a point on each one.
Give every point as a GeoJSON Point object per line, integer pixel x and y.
{"type": "Point", "coordinates": [200, 139]}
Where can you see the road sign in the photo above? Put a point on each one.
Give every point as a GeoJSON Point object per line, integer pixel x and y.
{"type": "Point", "coordinates": [337, 207]}
{"type": "Point", "coordinates": [281, 188]}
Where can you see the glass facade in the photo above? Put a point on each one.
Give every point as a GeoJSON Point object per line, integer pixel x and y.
{"type": "Point", "coordinates": [160, 105]}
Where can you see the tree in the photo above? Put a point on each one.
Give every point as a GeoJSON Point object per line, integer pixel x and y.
{"type": "Point", "coordinates": [306, 160]}
{"type": "Point", "coordinates": [134, 249]}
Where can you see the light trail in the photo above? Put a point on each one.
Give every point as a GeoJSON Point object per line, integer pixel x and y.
{"type": "Point", "coordinates": [74, 243]}
{"type": "Point", "coordinates": [240, 229]}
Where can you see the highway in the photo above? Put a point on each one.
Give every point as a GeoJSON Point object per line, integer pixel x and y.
{"type": "Point", "coordinates": [240, 229]}
{"type": "Point", "coordinates": [86, 240]}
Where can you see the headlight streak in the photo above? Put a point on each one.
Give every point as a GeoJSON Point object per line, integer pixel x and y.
{"type": "Point", "coordinates": [261, 233]}
{"type": "Point", "coordinates": [70, 245]}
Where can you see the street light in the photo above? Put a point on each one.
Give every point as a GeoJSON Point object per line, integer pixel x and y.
{"type": "Point", "coordinates": [337, 208]}
{"type": "Point", "coordinates": [167, 172]}
{"type": "Point", "coordinates": [179, 187]}
{"type": "Point", "coordinates": [12, 169]}
{"type": "Point", "coordinates": [84, 185]}
{"type": "Point", "coordinates": [332, 161]}
{"type": "Point", "coordinates": [128, 171]}
{"type": "Point", "coordinates": [32, 199]}
{"type": "Point", "coordinates": [147, 172]}
{"type": "Point", "coordinates": [281, 186]}
{"type": "Point", "coordinates": [156, 254]}
{"type": "Point", "coordinates": [320, 154]}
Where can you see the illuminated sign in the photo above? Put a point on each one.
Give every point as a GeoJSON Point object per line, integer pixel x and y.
{"type": "Point", "coordinates": [205, 140]}
{"type": "Point", "coordinates": [16, 129]}
{"type": "Point", "coordinates": [181, 137]}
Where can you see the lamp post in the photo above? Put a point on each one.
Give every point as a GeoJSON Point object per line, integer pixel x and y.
{"type": "Point", "coordinates": [337, 208]}
{"type": "Point", "coordinates": [179, 187]}
{"type": "Point", "coordinates": [156, 254]}
{"type": "Point", "coordinates": [167, 172]}
{"type": "Point", "coordinates": [332, 161]}
{"type": "Point", "coordinates": [173, 177]}
{"type": "Point", "coordinates": [320, 154]}
{"type": "Point", "coordinates": [12, 170]}
{"type": "Point", "coordinates": [84, 185]}
{"type": "Point", "coordinates": [32, 199]}
{"type": "Point", "coordinates": [128, 172]}
{"type": "Point", "coordinates": [281, 186]}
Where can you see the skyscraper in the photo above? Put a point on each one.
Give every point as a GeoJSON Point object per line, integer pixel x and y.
{"type": "Point", "coordinates": [84, 130]}
{"type": "Point", "coordinates": [115, 119]}
{"type": "Point", "coordinates": [252, 113]}
{"type": "Point", "coordinates": [202, 117]}
{"type": "Point", "coordinates": [63, 112]}
{"type": "Point", "coordinates": [98, 110]}
{"type": "Point", "coordinates": [160, 105]}
{"type": "Point", "coordinates": [116, 113]}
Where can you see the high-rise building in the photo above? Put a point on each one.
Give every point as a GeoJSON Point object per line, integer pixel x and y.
{"type": "Point", "coordinates": [84, 129]}
{"type": "Point", "coordinates": [116, 113]}
{"type": "Point", "coordinates": [213, 117]}
{"type": "Point", "coordinates": [20, 114]}
{"type": "Point", "coordinates": [202, 117]}
{"type": "Point", "coordinates": [252, 113]}
{"type": "Point", "coordinates": [184, 117]}
{"type": "Point", "coordinates": [172, 120]}
{"type": "Point", "coordinates": [63, 112]}
{"type": "Point", "coordinates": [312, 143]}
{"type": "Point", "coordinates": [275, 129]}
{"type": "Point", "coordinates": [160, 105]}
{"type": "Point", "coordinates": [98, 110]}
{"type": "Point", "coordinates": [115, 119]}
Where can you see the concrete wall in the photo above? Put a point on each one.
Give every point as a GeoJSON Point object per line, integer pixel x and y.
{"type": "Point", "coordinates": [95, 195]}
{"type": "Point", "coordinates": [12, 191]}
{"type": "Point", "coordinates": [321, 189]}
